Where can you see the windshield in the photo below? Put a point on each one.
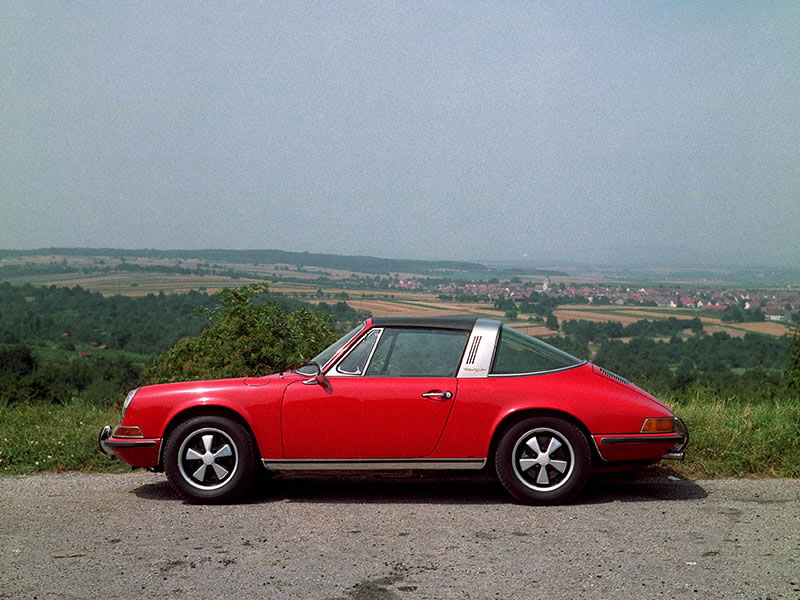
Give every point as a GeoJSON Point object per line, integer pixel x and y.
{"type": "Point", "coordinates": [518, 353]}
{"type": "Point", "coordinates": [326, 355]}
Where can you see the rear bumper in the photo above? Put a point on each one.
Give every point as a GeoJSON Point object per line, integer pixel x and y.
{"type": "Point", "coordinates": [138, 452]}
{"type": "Point", "coordinates": [644, 446]}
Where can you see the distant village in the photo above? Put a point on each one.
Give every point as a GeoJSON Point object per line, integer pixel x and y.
{"type": "Point", "coordinates": [780, 305]}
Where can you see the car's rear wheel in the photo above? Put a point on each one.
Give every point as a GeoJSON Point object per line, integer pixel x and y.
{"type": "Point", "coordinates": [210, 459]}
{"type": "Point", "coordinates": [543, 460]}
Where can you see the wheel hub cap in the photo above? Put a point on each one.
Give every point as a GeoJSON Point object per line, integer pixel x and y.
{"type": "Point", "coordinates": [543, 469]}
{"type": "Point", "coordinates": [208, 459]}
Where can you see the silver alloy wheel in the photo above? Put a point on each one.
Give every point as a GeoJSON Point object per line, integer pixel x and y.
{"type": "Point", "coordinates": [208, 458]}
{"type": "Point", "coordinates": [543, 459]}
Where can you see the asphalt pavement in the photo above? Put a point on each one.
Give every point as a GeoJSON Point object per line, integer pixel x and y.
{"type": "Point", "coordinates": [128, 536]}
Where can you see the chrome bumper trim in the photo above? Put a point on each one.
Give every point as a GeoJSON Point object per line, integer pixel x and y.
{"type": "Point", "coordinates": [373, 464]}
{"type": "Point", "coordinates": [105, 433]}
{"type": "Point", "coordinates": [679, 448]}
{"type": "Point", "coordinates": [106, 445]}
{"type": "Point", "coordinates": [641, 439]}
{"type": "Point", "coordinates": [132, 443]}
{"type": "Point", "coordinates": [673, 456]}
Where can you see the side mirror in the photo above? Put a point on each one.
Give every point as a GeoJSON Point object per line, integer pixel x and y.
{"type": "Point", "coordinates": [318, 378]}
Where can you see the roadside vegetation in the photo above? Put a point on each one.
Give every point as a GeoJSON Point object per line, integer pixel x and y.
{"type": "Point", "coordinates": [739, 437]}
{"type": "Point", "coordinates": [740, 396]}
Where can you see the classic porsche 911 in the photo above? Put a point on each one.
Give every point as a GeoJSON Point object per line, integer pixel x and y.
{"type": "Point", "coordinates": [403, 393]}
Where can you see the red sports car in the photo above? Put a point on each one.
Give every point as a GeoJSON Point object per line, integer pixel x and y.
{"type": "Point", "coordinates": [409, 394]}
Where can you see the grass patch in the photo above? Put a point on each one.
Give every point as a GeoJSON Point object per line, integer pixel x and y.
{"type": "Point", "coordinates": [736, 437]}
{"type": "Point", "coordinates": [730, 437]}
{"type": "Point", "coordinates": [55, 437]}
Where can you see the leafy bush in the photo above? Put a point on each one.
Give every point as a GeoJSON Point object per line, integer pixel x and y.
{"type": "Point", "coordinates": [791, 376]}
{"type": "Point", "coordinates": [245, 337]}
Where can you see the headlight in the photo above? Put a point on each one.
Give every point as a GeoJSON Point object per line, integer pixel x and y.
{"type": "Point", "coordinates": [128, 400]}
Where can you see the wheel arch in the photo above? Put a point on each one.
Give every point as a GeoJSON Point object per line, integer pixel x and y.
{"type": "Point", "coordinates": [205, 410]}
{"type": "Point", "coordinates": [520, 415]}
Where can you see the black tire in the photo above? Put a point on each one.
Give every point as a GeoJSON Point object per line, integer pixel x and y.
{"type": "Point", "coordinates": [543, 460]}
{"type": "Point", "coordinates": [210, 459]}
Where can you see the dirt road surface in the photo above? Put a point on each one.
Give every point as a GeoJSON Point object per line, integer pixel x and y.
{"type": "Point", "coordinates": [128, 536]}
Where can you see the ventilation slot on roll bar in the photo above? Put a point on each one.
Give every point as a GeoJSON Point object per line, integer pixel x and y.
{"type": "Point", "coordinates": [473, 349]}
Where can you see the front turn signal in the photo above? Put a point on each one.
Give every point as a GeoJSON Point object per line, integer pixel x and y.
{"type": "Point", "coordinates": [126, 431]}
{"type": "Point", "coordinates": [659, 425]}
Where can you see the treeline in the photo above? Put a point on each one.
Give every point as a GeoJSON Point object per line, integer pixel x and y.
{"type": "Point", "coordinates": [591, 331]}
{"type": "Point", "coordinates": [752, 364]}
{"type": "Point", "coordinates": [64, 268]}
{"type": "Point", "coordinates": [737, 314]}
{"type": "Point", "coordinates": [43, 329]}
{"type": "Point", "coordinates": [538, 304]}
{"type": "Point", "coordinates": [68, 316]}
{"type": "Point", "coordinates": [145, 325]}
{"type": "Point", "coordinates": [24, 377]}
{"type": "Point", "coordinates": [362, 264]}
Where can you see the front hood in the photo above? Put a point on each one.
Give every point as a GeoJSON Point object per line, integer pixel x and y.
{"type": "Point", "coordinates": [256, 399]}
{"type": "Point", "coordinates": [213, 385]}
{"type": "Point", "coordinates": [194, 387]}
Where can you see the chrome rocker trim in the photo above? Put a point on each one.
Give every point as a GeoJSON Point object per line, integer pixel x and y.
{"type": "Point", "coordinates": [379, 464]}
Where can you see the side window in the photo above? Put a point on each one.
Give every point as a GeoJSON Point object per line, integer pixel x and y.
{"type": "Point", "coordinates": [417, 353]}
{"type": "Point", "coordinates": [518, 353]}
{"type": "Point", "coordinates": [356, 359]}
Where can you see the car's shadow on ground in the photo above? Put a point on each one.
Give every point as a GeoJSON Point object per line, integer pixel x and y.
{"type": "Point", "coordinates": [441, 489]}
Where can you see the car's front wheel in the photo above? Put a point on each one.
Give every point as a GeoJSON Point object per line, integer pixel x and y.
{"type": "Point", "coordinates": [210, 459]}
{"type": "Point", "coordinates": [543, 460]}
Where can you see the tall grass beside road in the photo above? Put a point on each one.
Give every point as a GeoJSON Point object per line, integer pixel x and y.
{"type": "Point", "coordinates": [730, 437]}
{"type": "Point", "coordinates": [739, 437]}
{"type": "Point", "coordinates": [55, 437]}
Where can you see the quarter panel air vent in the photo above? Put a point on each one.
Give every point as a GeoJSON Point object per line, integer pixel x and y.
{"type": "Point", "coordinates": [610, 375]}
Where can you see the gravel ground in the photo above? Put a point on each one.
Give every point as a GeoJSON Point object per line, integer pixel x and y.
{"type": "Point", "coordinates": [128, 536]}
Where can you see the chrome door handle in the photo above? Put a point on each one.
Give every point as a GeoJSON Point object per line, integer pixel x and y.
{"type": "Point", "coordinates": [438, 395]}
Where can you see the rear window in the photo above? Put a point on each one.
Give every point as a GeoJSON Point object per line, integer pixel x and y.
{"type": "Point", "coordinates": [518, 353]}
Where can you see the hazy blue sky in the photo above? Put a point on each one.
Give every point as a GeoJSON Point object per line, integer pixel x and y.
{"type": "Point", "coordinates": [552, 130]}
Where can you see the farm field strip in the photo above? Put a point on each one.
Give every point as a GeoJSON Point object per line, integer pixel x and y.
{"type": "Point", "coordinates": [711, 329]}
{"type": "Point", "coordinates": [579, 315]}
{"type": "Point", "coordinates": [539, 331]}
{"type": "Point", "coordinates": [399, 309]}
{"type": "Point", "coordinates": [137, 286]}
{"type": "Point", "coordinates": [626, 316]}
{"type": "Point", "coordinates": [376, 301]}
{"type": "Point", "coordinates": [768, 327]}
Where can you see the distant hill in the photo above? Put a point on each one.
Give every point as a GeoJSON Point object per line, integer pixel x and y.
{"type": "Point", "coordinates": [362, 264]}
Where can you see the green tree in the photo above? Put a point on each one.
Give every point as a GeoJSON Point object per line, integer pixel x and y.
{"type": "Point", "coordinates": [245, 337]}
{"type": "Point", "coordinates": [17, 361]}
{"type": "Point", "coordinates": [791, 376]}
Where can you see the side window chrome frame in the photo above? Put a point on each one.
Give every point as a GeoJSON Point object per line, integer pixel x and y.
{"type": "Point", "coordinates": [335, 372]}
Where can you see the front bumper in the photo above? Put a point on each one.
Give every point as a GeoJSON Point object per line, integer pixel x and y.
{"type": "Point", "coordinates": [139, 452]}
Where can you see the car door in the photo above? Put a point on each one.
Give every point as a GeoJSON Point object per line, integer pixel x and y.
{"type": "Point", "coordinates": [389, 397]}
